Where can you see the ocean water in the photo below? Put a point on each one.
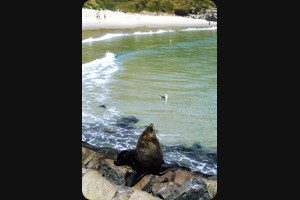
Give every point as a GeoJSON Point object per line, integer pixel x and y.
{"type": "Point", "coordinates": [125, 71]}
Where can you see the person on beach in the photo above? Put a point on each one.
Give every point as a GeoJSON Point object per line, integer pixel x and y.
{"type": "Point", "coordinates": [98, 15]}
{"type": "Point", "coordinates": [104, 17]}
{"type": "Point", "coordinates": [208, 22]}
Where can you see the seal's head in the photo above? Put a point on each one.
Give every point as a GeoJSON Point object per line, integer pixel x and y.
{"type": "Point", "coordinates": [149, 132]}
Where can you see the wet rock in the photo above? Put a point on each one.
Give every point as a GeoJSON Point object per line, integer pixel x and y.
{"type": "Point", "coordinates": [95, 187]}
{"type": "Point", "coordinates": [109, 130]}
{"type": "Point", "coordinates": [116, 174]}
{"type": "Point", "coordinates": [102, 106]}
{"type": "Point", "coordinates": [127, 122]}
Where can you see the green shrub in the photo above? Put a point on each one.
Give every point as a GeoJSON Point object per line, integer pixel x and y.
{"type": "Point", "coordinates": [91, 4]}
{"type": "Point", "coordinates": [150, 5]}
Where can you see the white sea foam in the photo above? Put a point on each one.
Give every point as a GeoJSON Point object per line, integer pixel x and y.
{"type": "Point", "coordinates": [95, 77]}
{"type": "Point", "coordinates": [194, 165]}
{"type": "Point", "coordinates": [200, 29]}
{"type": "Point", "coordinates": [152, 32]}
{"type": "Point", "coordinates": [115, 35]}
{"type": "Point", "coordinates": [99, 71]}
{"type": "Point", "coordinates": [105, 37]}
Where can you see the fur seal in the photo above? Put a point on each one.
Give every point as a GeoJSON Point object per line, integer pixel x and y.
{"type": "Point", "coordinates": [148, 152]}
{"type": "Point", "coordinates": [146, 158]}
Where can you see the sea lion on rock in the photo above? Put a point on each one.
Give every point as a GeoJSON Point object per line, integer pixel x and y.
{"type": "Point", "coordinates": [146, 158]}
{"type": "Point", "coordinates": [148, 152]}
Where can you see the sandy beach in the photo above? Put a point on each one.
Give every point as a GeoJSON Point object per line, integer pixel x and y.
{"type": "Point", "coordinates": [119, 20]}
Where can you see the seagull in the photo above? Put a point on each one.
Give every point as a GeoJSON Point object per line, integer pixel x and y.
{"type": "Point", "coordinates": [164, 97]}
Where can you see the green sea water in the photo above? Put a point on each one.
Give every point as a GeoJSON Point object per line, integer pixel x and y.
{"type": "Point", "coordinates": [179, 62]}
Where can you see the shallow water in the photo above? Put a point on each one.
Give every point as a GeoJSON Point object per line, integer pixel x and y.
{"type": "Point", "coordinates": [125, 71]}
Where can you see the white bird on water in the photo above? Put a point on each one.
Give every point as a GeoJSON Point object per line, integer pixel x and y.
{"type": "Point", "coordinates": [164, 97]}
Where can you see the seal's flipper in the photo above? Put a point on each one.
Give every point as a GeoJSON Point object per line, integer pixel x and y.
{"type": "Point", "coordinates": [125, 157]}
{"type": "Point", "coordinates": [133, 178]}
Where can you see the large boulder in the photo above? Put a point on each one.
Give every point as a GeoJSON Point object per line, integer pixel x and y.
{"type": "Point", "coordinates": [96, 187]}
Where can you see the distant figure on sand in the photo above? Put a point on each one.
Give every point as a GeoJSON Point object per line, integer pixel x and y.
{"type": "Point", "coordinates": [98, 15]}
{"type": "Point", "coordinates": [208, 22]}
{"type": "Point", "coordinates": [104, 17]}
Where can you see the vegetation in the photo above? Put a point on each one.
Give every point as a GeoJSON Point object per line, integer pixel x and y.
{"type": "Point", "coordinates": [166, 6]}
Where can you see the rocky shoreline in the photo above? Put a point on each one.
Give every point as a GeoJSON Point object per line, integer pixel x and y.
{"type": "Point", "coordinates": [103, 180]}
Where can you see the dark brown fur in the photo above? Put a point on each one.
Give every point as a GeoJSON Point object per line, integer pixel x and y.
{"type": "Point", "coordinates": [146, 158]}
{"type": "Point", "coordinates": [148, 151]}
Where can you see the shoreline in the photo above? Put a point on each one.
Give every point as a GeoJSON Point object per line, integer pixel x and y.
{"type": "Point", "coordinates": [102, 179]}
{"type": "Point", "coordinates": [120, 20]}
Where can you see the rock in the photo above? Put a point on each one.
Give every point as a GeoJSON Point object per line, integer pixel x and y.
{"type": "Point", "coordinates": [87, 155]}
{"type": "Point", "coordinates": [116, 174]}
{"type": "Point", "coordinates": [102, 106]}
{"type": "Point", "coordinates": [95, 187]}
{"type": "Point", "coordinates": [100, 176]}
{"type": "Point", "coordinates": [182, 176]}
{"type": "Point", "coordinates": [141, 195]}
{"type": "Point", "coordinates": [127, 122]}
{"type": "Point", "coordinates": [214, 177]}
{"type": "Point", "coordinates": [124, 196]}
{"type": "Point", "coordinates": [123, 193]}
{"type": "Point", "coordinates": [83, 171]}
{"type": "Point", "coordinates": [163, 186]}
{"type": "Point", "coordinates": [194, 189]}
{"type": "Point", "coordinates": [167, 177]}
{"type": "Point", "coordinates": [91, 159]}
{"type": "Point", "coordinates": [94, 163]}
{"type": "Point", "coordinates": [104, 152]}
{"type": "Point", "coordinates": [145, 184]}
{"type": "Point", "coordinates": [211, 187]}
{"type": "Point", "coordinates": [164, 190]}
